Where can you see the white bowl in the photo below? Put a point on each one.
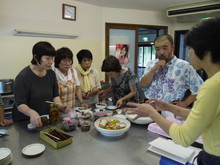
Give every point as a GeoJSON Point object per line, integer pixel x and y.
{"type": "Point", "coordinates": [101, 105]}
{"type": "Point", "coordinates": [112, 133]}
{"type": "Point", "coordinates": [140, 120]}
{"type": "Point", "coordinates": [111, 107]}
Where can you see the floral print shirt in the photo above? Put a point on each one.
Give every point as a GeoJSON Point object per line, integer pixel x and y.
{"type": "Point", "coordinates": [172, 81]}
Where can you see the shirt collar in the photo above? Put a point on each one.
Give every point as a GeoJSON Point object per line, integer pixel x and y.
{"type": "Point", "coordinates": [172, 61]}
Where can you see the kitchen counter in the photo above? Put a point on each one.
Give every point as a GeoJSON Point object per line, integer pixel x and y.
{"type": "Point", "coordinates": [87, 148]}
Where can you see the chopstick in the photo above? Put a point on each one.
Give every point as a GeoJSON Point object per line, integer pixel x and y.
{"type": "Point", "coordinates": [46, 133]}
{"type": "Point", "coordinates": [51, 102]}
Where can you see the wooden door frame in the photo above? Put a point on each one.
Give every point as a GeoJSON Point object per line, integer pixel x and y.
{"type": "Point", "coordinates": [135, 27]}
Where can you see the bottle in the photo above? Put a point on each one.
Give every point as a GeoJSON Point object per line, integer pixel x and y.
{"type": "Point", "coordinates": [54, 113]}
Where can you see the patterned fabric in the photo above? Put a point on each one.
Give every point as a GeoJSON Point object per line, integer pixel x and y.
{"type": "Point", "coordinates": [123, 88]}
{"type": "Point", "coordinates": [171, 82]}
{"type": "Point", "coordinates": [67, 90]}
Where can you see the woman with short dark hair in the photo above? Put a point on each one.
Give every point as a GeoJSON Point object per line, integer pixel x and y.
{"type": "Point", "coordinates": [67, 78]}
{"type": "Point", "coordinates": [123, 82]}
{"type": "Point", "coordinates": [88, 77]}
{"type": "Point", "coordinates": [35, 85]}
{"type": "Point", "coordinates": [204, 117]}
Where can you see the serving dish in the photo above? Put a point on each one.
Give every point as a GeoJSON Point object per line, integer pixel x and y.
{"type": "Point", "coordinates": [52, 140]}
{"type": "Point", "coordinates": [101, 105]}
{"type": "Point", "coordinates": [140, 120]}
{"type": "Point", "coordinates": [112, 133]}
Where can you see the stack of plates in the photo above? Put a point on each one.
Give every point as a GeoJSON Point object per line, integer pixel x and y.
{"type": "Point", "coordinates": [5, 156]}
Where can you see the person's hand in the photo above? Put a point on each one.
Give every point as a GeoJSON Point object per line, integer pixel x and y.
{"type": "Point", "coordinates": [35, 118]}
{"type": "Point", "coordinates": [119, 103]}
{"type": "Point", "coordinates": [101, 93]}
{"type": "Point", "coordinates": [180, 103]}
{"type": "Point", "coordinates": [66, 109]}
{"type": "Point", "coordinates": [142, 110]}
{"type": "Point", "coordinates": [85, 105]}
{"type": "Point", "coordinates": [88, 95]}
{"type": "Point", "coordinates": [84, 95]}
{"type": "Point", "coordinates": [5, 122]}
{"type": "Point", "coordinates": [159, 64]}
{"type": "Point", "coordinates": [159, 105]}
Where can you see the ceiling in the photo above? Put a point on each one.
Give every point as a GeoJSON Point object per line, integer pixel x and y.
{"type": "Point", "coordinates": [152, 5]}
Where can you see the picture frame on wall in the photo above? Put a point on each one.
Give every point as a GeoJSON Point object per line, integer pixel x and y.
{"type": "Point", "coordinates": [69, 12]}
{"type": "Point", "coordinates": [122, 53]}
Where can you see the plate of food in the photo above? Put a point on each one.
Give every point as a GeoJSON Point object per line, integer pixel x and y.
{"type": "Point", "coordinates": [101, 105]}
{"type": "Point", "coordinates": [84, 114]}
{"type": "Point", "coordinates": [140, 120]}
{"type": "Point", "coordinates": [112, 126]}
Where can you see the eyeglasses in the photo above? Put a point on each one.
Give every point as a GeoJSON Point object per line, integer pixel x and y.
{"type": "Point", "coordinates": [67, 61]}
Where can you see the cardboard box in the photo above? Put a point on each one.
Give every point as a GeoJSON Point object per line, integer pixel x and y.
{"type": "Point", "coordinates": [53, 143]}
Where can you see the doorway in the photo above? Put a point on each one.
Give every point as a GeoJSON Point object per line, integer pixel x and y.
{"type": "Point", "coordinates": [140, 40]}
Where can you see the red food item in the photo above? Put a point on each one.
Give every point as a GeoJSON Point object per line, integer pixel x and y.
{"type": "Point", "coordinates": [100, 114]}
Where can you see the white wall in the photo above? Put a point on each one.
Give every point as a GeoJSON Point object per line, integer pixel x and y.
{"type": "Point", "coordinates": [46, 15]}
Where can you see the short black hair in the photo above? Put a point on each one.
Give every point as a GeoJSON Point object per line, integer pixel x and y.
{"type": "Point", "coordinates": [63, 53]}
{"type": "Point", "coordinates": [164, 37]}
{"type": "Point", "coordinates": [204, 37]}
{"type": "Point", "coordinates": [40, 49]}
{"type": "Point", "coordinates": [111, 64]}
{"type": "Point", "coordinates": [84, 53]}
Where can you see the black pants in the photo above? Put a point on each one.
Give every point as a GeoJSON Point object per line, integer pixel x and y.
{"type": "Point", "coordinates": [204, 158]}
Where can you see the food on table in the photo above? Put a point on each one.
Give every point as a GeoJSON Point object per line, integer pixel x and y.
{"type": "Point", "coordinates": [69, 124]}
{"type": "Point", "coordinates": [101, 104]}
{"type": "Point", "coordinates": [56, 135]}
{"type": "Point", "coordinates": [111, 124]}
{"type": "Point", "coordinates": [54, 114]}
{"type": "Point", "coordinates": [85, 127]}
{"type": "Point", "coordinates": [44, 120]}
{"type": "Point", "coordinates": [99, 115]}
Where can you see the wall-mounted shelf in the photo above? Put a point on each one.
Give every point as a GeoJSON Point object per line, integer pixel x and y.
{"type": "Point", "coordinates": [28, 33]}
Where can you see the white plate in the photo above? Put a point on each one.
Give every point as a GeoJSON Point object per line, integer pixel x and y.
{"type": "Point", "coordinates": [33, 149]}
{"type": "Point", "coordinates": [111, 107]}
{"type": "Point", "coordinates": [4, 153]}
{"type": "Point", "coordinates": [140, 120]}
{"type": "Point", "coordinates": [3, 131]}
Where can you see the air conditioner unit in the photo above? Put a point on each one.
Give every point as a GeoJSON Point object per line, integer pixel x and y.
{"type": "Point", "coordinates": [196, 8]}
